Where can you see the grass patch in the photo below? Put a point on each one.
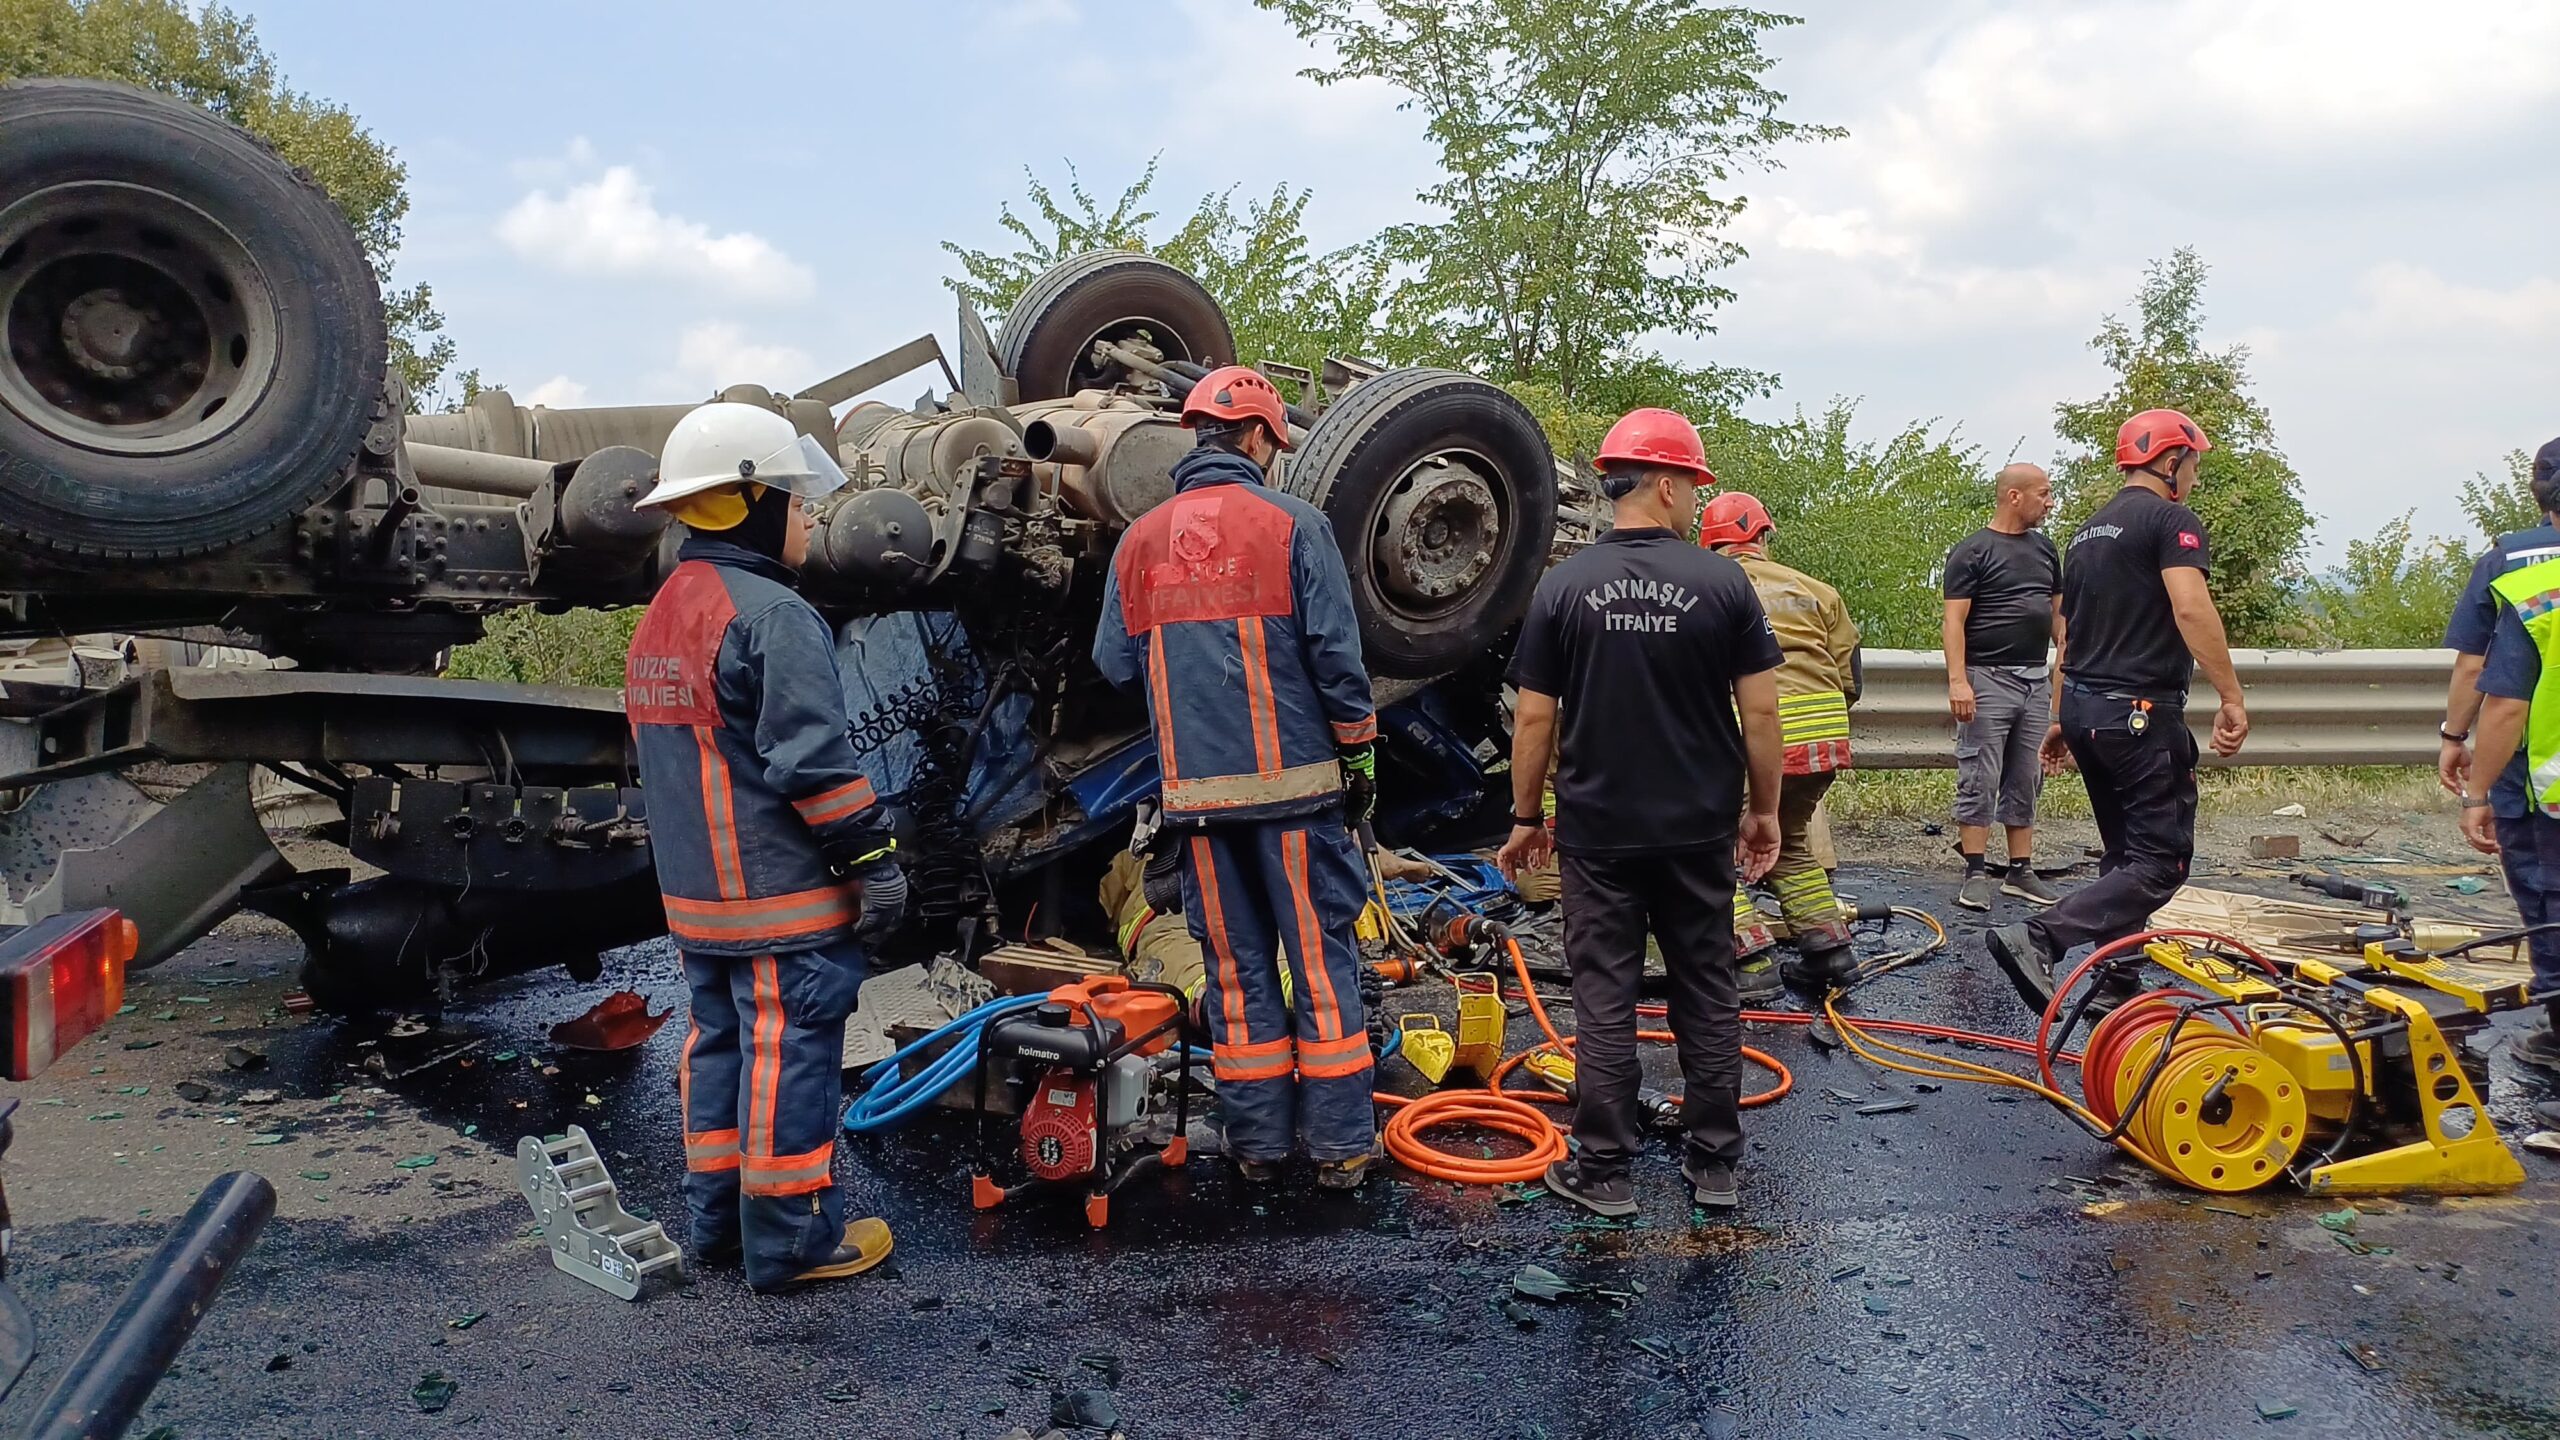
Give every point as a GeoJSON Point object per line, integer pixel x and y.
{"type": "Point", "coordinates": [1931, 794]}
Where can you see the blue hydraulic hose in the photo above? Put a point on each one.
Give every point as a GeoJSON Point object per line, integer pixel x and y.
{"type": "Point", "coordinates": [889, 1105]}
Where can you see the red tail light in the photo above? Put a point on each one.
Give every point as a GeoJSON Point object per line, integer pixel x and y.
{"type": "Point", "coordinates": [59, 981]}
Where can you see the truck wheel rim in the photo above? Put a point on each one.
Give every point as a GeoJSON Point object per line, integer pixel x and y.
{"type": "Point", "coordinates": [1439, 530]}
{"type": "Point", "coordinates": [131, 323]}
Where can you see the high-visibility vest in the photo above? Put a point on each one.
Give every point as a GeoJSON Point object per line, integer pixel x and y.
{"type": "Point", "coordinates": [2534, 591]}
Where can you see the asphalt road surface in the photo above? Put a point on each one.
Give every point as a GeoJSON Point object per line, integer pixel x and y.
{"type": "Point", "coordinates": [1966, 1267]}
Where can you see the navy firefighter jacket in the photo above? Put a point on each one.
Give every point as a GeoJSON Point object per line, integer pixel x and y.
{"type": "Point", "coordinates": [734, 701]}
{"type": "Point", "coordinates": [1230, 604]}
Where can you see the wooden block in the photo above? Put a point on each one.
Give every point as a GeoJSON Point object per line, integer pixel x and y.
{"type": "Point", "coordinates": [2275, 847]}
{"type": "Point", "coordinates": [1039, 969]}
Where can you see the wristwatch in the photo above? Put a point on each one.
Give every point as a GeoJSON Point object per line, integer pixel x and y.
{"type": "Point", "coordinates": [2462, 739]}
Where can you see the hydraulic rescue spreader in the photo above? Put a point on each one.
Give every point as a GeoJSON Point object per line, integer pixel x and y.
{"type": "Point", "coordinates": [2351, 1077]}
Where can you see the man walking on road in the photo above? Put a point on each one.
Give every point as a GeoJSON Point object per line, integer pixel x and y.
{"type": "Point", "coordinates": [1229, 604]}
{"type": "Point", "coordinates": [1663, 667]}
{"type": "Point", "coordinates": [2498, 670]}
{"type": "Point", "coordinates": [1816, 686]}
{"type": "Point", "coordinates": [2004, 613]}
{"type": "Point", "coordinates": [2140, 623]}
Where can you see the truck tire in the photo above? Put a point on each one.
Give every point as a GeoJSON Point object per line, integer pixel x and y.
{"type": "Point", "coordinates": [191, 339]}
{"type": "Point", "coordinates": [1442, 493]}
{"type": "Point", "coordinates": [1048, 337]}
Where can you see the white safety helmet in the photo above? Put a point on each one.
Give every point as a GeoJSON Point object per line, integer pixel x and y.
{"type": "Point", "coordinates": [726, 443]}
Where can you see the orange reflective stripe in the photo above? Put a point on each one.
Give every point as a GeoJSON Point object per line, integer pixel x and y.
{"type": "Point", "coordinates": [1281, 1046]}
{"type": "Point", "coordinates": [1333, 1059]}
{"type": "Point", "coordinates": [1355, 732]}
{"type": "Point", "coordinates": [684, 1073]}
{"type": "Point", "coordinates": [1230, 982]}
{"type": "Point", "coordinates": [764, 1074]}
{"type": "Point", "coordinates": [1320, 1000]}
{"type": "Point", "coordinates": [720, 816]}
{"type": "Point", "coordinates": [788, 1174]}
{"type": "Point", "coordinates": [1252, 652]}
{"type": "Point", "coordinates": [1226, 792]}
{"type": "Point", "coordinates": [1162, 705]}
{"type": "Point", "coordinates": [827, 806]}
{"type": "Point", "coordinates": [803, 912]}
{"type": "Point", "coordinates": [1226, 1064]}
{"type": "Point", "coordinates": [711, 1150]}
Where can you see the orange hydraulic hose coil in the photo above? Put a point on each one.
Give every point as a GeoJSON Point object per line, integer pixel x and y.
{"type": "Point", "coordinates": [1510, 1113]}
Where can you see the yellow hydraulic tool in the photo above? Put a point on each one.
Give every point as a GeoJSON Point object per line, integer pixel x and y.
{"type": "Point", "coordinates": [1427, 1047]}
{"type": "Point", "coordinates": [2360, 1066]}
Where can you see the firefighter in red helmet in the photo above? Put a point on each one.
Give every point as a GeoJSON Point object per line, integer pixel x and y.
{"type": "Point", "coordinates": [2139, 622]}
{"type": "Point", "coordinates": [1230, 606]}
{"type": "Point", "coordinates": [1647, 670]}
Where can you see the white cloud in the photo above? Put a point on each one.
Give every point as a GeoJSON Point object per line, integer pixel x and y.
{"type": "Point", "coordinates": [559, 392]}
{"type": "Point", "coordinates": [1017, 15]}
{"type": "Point", "coordinates": [577, 158]}
{"type": "Point", "coordinates": [2411, 300]}
{"type": "Point", "coordinates": [718, 353]}
{"type": "Point", "coordinates": [612, 226]}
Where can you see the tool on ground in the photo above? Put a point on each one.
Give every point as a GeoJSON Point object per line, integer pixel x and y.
{"type": "Point", "coordinates": [1426, 1046]}
{"type": "Point", "coordinates": [1083, 1059]}
{"type": "Point", "coordinates": [580, 1210]}
{"type": "Point", "coordinates": [2371, 894]}
{"type": "Point", "coordinates": [2349, 1078]}
{"type": "Point", "coordinates": [1482, 1023]}
{"type": "Point", "coordinates": [620, 1021]}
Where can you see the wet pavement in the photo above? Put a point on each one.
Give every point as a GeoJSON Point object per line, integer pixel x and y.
{"type": "Point", "coordinates": [1966, 1267]}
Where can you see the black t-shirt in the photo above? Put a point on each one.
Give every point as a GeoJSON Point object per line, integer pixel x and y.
{"type": "Point", "coordinates": [1640, 638]}
{"type": "Point", "coordinates": [2011, 580]}
{"type": "Point", "coordinates": [2123, 636]}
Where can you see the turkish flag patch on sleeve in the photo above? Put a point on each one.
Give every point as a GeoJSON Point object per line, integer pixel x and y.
{"type": "Point", "coordinates": [2190, 540]}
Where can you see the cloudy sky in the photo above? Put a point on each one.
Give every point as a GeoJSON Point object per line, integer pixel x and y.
{"type": "Point", "coordinates": [644, 201]}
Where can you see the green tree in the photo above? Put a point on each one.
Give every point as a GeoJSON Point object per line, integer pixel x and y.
{"type": "Point", "coordinates": [1589, 154]}
{"type": "Point", "coordinates": [2393, 592]}
{"type": "Point", "coordinates": [1284, 301]}
{"type": "Point", "coordinates": [2247, 494]}
{"type": "Point", "coordinates": [211, 57]}
{"type": "Point", "coordinates": [1875, 520]}
{"type": "Point", "coordinates": [526, 647]}
{"type": "Point", "coordinates": [2503, 504]}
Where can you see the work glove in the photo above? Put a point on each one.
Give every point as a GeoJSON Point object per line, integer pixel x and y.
{"type": "Point", "coordinates": [1161, 880]}
{"type": "Point", "coordinates": [1359, 783]}
{"type": "Point", "coordinates": [884, 899]}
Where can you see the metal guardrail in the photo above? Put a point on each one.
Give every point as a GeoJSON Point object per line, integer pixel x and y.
{"type": "Point", "coordinates": [2306, 707]}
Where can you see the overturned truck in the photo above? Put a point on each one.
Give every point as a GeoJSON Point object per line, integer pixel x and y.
{"type": "Point", "coordinates": [200, 448]}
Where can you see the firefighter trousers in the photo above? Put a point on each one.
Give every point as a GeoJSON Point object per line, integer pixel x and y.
{"type": "Point", "coordinates": [762, 1083]}
{"type": "Point", "coordinates": [1804, 887]}
{"type": "Point", "coordinates": [1294, 1069]}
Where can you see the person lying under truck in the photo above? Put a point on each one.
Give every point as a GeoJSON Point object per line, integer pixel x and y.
{"type": "Point", "coordinates": [775, 863]}
{"type": "Point", "coordinates": [1229, 605]}
{"type": "Point", "coordinates": [1647, 665]}
{"type": "Point", "coordinates": [1816, 686]}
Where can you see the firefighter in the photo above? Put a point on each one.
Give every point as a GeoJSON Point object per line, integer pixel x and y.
{"type": "Point", "coordinates": [776, 864]}
{"type": "Point", "coordinates": [2139, 623]}
{"type": "Point", "coordinates": [1230, 606]}
{"type": "Point", "coordinates": [1645, 668]}
{"type": "Point", "coordinates": [1816, 686]}
{"type": "Point", "coordinates": [2500, 667]}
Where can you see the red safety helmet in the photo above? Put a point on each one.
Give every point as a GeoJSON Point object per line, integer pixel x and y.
{"type": "Point", "coordinates": [1734, 518]}
{"type": "Point", "coordinates": [2145, 436]}
{"type": "Point", "coordinates": [1238, 392]}
{"type": "Point", "coordinates": [1657, 437]}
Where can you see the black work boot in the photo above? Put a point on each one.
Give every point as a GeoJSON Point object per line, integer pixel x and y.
{"type": "Point", "coordinates": [1347, 1174]}
{"type": "Point", "coordinates": [2027, 963]}
{"type": "Point", "coordinates": [1609, 1199]}
{"type": "Point", "coordinates": [2538, 1047]}
{"type": "Point", "coordinates": [1711, 1184]}
{"type": "Point", "coordinates": [1825, 958]}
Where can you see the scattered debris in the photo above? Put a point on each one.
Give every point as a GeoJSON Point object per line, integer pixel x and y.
{"type": "Point", "coordinates": [2543, 1142]}
{"type": "Point", "coordinates": [1888, 1107]}
{"type": "Point", "coordinates": [407, 1027]}
{"type": "Point", "coordinates": [2275, 847]}
{"type": "Point", "coordinates": [1084, 1410]}
{"type": "Point", "coordinates": [620, 1021]}
{"type": "Point", "coordinates": [2466, 885]}
{"type": "Point", "coordinates": [2277, 1409]}
{"type": "Point", "coordinates": [194, 1092]}
{"type": "Point", "coordinates": [1540, 1283]}
{"type": "Point", "coordinates": [415, 1162]}
{"type": "Point", "coordinates": [2342, 1221]}
{"type": "Point", "coordinates": [375, 1063]}
{"type": "Point", "coordinates": [433, 1392]}
{"type": "Point", "coordinates": [279, 1362]}
{"type": "Point", "coordinates": [271, 1137]}
{"type": "Point", "coordinates": [2289, 812]}
{"type": "Point", "coordinates": [244, 1056]}
{"type": "Point", "coordinates": [2346, 839]}
{"type": "Point", "coordinates": [2361, 1353]}
{"type": "Point", "coordinates": [297, 1002]}
{"type": "Point", "coordinates": [108, 1115]}
{"type": "Point", "coordinates": [260, 1097]}
{"type": "Point", "coordinates": [315, 1174]}
{"type": "Point", "coordinates": [465, 1322]}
